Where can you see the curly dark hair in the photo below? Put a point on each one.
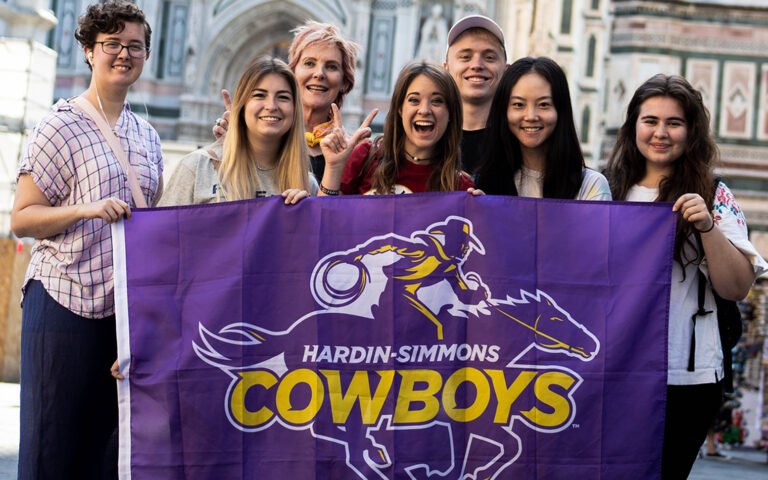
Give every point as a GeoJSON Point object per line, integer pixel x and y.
{"type": "Point", "coordinates": [109, 17]}
{"type": "Point", "coordinates": [503, 158]}
{"type": "Point", "coordinates": [691, 173]}
{"type": "Point", "coordinates": [447, 166]}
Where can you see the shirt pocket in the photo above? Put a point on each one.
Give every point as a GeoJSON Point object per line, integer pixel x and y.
{"type": "Point", "coordinates": [146, 170]}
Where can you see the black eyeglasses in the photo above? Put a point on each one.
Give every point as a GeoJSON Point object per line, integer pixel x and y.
{"type": "Point", "coordinates": [112, 47]}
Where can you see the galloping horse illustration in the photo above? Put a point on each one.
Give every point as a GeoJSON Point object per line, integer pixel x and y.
{"type": "Point", "coordinates": [427, 292]}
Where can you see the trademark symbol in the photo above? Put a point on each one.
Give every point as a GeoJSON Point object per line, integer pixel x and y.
{"type": "Point", "coordinates": [575, 425]}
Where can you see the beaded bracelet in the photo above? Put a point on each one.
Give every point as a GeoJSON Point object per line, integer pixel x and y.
{"type": "Point", "coordinates": [328, 191]}
{"type": "Point", "coordinates": [710, 227]}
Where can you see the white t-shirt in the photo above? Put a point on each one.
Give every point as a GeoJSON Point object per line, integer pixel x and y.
{"type": "Point", "coordinates": [684, 297]}
{"type": "Point", "coordinates": [594, 186]}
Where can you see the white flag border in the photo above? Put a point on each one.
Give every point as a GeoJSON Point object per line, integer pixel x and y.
{"type": "Point", "coordinates": [123, 349]}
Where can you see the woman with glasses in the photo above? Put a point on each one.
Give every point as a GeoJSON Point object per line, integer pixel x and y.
{"type": "Point", "coordinates": [71, 186]}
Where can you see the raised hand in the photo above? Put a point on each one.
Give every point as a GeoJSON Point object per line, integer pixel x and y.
{"type": "Point", "coordinates": [336, 146]}
{"type": "Point", "coordinates": [694, 209]}
{"type": "Point", "coordinates": [222, 123]}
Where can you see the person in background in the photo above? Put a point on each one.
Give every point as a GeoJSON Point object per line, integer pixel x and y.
{"type": "Point", "coordinates": [71, 187]}
{"type": "Point", "coordinates": [532, 149]}
{"type": "Point", "coordinates": [475, 58]}
{"type": "Point", "coordinates": [665, 153]}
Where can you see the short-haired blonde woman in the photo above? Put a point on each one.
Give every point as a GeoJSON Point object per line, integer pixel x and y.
{"type": "Point", "coordinates": [324, 64]}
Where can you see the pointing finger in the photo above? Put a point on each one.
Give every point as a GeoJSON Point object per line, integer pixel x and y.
{"type": "Point", "coordinates": [367, 122]}
{"type": "Point", "coordinates": [227, 99]}
{"type": "Point", "coordinates": [336, 116]}
{"type": "Point", "coordinates": [359, 135]}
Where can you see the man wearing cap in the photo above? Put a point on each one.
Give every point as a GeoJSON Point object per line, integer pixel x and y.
{"type": "Point", "coordinates": [476, 58]}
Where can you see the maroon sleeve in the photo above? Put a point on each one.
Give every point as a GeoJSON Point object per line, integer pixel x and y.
{"type": "Point", "coordinates": [351, 177]}
{"type": "Point", "coordinates": [465, 181]}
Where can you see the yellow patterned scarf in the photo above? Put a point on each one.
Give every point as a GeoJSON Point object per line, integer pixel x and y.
{"type": "Point", "coordinates": [317, 133]}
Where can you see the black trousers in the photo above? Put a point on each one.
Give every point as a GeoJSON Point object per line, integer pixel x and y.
{"type": "Point", "coordinates": [68, 397]}
{"type": "Point", "coordinates": [690, 410]}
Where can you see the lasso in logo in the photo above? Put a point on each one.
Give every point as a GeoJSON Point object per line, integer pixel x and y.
{"type": "Point", "coordinates": [412, 366]}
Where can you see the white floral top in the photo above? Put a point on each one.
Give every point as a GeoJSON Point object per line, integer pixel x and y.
{"type": "Point", "coordinates": [708, 364]}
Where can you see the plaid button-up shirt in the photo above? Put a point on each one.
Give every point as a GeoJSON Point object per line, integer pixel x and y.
{"type": "Point", "coordinates": [71, 163]}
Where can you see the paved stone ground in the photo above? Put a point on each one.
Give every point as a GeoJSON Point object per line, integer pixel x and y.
{"type": "Point", "coordinates": [741, 464]}
{"type": "Point", "coordinates": [9, 430]}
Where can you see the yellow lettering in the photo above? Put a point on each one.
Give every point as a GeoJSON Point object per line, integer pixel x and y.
{"type": "Point", "coordinates": [561, 407]}
{"type": "Point", "coordinates": [359, 390]}
{"type": "Point", "coordinates": [283, 398]}
{"type": "Point", "coordinates": [507, 395]}
{"type": "Point", "coordinates": [408, 395]}
{"type": "Point", "coordinates": [472, 412]}
{"type": "Point", "coordinates": [237, 397]}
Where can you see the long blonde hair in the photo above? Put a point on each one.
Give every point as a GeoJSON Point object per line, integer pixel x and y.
{"type": "Point", "coordinates": [238, 175]}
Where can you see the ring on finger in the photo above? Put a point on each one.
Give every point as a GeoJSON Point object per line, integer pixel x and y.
{"type": "Point", "coordinates": [218, 122]}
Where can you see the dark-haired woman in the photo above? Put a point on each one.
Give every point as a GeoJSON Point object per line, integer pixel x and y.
{"type": "Point", "coordinates": [665, 152]}
{"type": "Point", "coordinates": [420, 148]}
{"type": "Point", "coordinates": [532, 149]}
{"type": "Point", "coordinates": [71, 186]}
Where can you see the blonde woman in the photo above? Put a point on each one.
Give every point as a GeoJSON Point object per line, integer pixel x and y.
{"type": "Point", "coordinates": [324, 64]}
{"type": "Point", "coordinates": [264, 152]}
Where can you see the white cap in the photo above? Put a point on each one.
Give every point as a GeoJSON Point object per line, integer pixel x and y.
{"type": "Point", "coordinates": [476, 21]}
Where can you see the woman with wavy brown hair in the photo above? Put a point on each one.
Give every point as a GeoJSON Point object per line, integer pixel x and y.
{"type": "Point", "coordinates": [420, 149]}
{"type": "Point", "coordinates": [665, 153]}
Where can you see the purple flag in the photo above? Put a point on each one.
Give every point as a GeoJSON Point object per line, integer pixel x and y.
{"type": "Point", "coordinates": [439, 336]}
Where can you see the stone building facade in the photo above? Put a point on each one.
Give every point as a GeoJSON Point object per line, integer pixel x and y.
{"type": "Point", "coordinates": [27, 72]}
{"type": "Point", "coordinates": [722, 49]}
{"type": "Point", "coordinates": [202, 46]}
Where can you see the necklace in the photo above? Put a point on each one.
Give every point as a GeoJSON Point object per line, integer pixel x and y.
{"type": "Point", "coordinates": [263, 169]}
{"type": "Point", "coordinates": [416, 160]}
{"type": "Point", "coordinates": [103, 114]}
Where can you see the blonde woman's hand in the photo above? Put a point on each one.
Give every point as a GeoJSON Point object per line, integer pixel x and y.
{"type": "Point", "coordinates": [336, 146]}
{"type": "Point", "coordinates": [293, 195]}
{"type": "Point", "coordinates": [222, 123]}
{"type": "Point", "coordinates": [693, 209]}
{"type": "Point", "coordinates": [475, 191]}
